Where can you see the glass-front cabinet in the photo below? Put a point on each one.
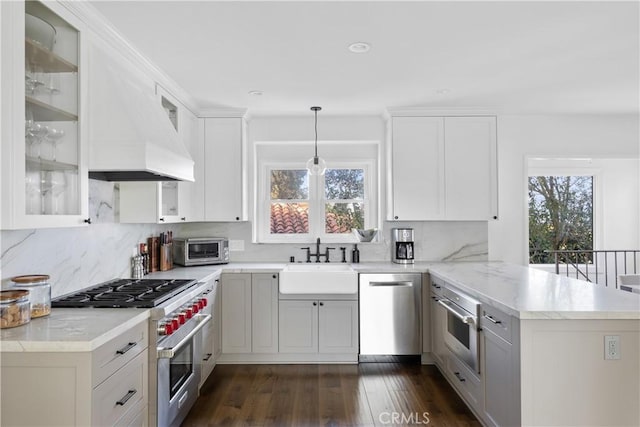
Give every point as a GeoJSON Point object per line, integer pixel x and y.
{"type": "Point", "coordinates": [44, 167]}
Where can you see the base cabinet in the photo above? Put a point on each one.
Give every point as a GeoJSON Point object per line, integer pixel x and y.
{"type": "Point", "coordinates": [105, 387]}
{"type": "Point", "coordinates": [318, 326]}
{"type": "Point", "coordinates": [500, 365]}
{"type": "Point", "coordinates": [249, 313]}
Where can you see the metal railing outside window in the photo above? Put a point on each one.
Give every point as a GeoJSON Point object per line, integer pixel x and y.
{"type": "Point", "coordinates": [597, 266]}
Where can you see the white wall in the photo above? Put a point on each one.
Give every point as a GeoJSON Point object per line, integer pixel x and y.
{"type": "Point", "coordinates": [520, 137]}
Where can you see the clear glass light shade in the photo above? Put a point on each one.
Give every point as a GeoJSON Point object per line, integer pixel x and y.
{"type": "Point", "coordinates": [316, 165]}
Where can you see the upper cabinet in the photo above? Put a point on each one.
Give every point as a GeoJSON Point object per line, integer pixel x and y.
{"type": "Point", "coordinates": [169, 201]}
{"type": "Point", "coordinates": [443, 168]}
{"type": "Point", "coordinates": [43, 85]}
{"type": "Point", "coordinates": [225, 181]}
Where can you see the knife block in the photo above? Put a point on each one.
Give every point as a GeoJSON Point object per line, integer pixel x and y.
{"type": "Point", "coordinates": [166, 258]}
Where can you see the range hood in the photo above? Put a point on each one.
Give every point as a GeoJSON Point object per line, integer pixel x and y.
{"type": "Point", "coordinates": [130, 135]}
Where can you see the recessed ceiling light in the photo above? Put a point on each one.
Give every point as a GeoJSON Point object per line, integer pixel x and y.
{"type": "Point", "coordinates": [255, 92]}
{"type": "Point", "coordinates": [359, 47]}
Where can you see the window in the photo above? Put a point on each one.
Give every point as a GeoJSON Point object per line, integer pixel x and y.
{"type": "Point", "coordinates": [300, 207]}
{"type": "Point", "coordinates": [560, 215]}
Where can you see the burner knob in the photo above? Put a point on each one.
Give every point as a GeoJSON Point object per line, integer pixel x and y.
{"type": "Point", "coordinates": [195, 307]}
{"type": "Point", "coordinates": [182, 318]}
{"type": "Point", "coordinates": [165, 329]}
{"type": "Point", "coordinates": [202, 303]}
{"type": "Point", "coordinates": [188, 313]}
{"type": "Point", "coordinates": [175, 324]}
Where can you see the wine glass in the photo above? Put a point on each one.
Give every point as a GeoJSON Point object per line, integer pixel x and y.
{"type": "Point", "coordinates": [35, 133]}
{"type": "Point", "coordinates": [32, 184]}
{"type": "Point", "coordinates": [58, 185]}
{"type": "Point", "coordinates": [54, 136]}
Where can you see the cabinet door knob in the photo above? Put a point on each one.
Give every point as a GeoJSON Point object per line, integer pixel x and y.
{"type": "Point", "coordinates": [315, 303]}
{"type": "Point", "coordinates": [184, 218]}
{"type": "Point", "coordinates": [495, 217]}
{"type": "Point", "coordinates": [87, 221]}
{"type": "Point", "coordinates": [395, 217]}
{"type": "Point", "coordinates": [321, 304]}
{"type": "Point", "coordinates": [237, 218]}
{"type": "Point", "coordinates": [161, 219]}
{"type": "Point", "coordinates": [274, 276]}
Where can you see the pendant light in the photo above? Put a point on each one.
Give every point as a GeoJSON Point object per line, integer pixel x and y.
{"type": "Point", "coordinates": [316, 165]}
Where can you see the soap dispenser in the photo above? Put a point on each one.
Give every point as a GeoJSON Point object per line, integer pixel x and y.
{"type": "Point", "coordinates": [355, 255]}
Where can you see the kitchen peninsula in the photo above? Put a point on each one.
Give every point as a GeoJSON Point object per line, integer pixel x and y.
{"type": "Point", "coordinates": [560, 325]}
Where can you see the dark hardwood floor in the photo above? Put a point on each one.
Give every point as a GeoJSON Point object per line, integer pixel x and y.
{"type": "Point", "coordinates": [368, 394]}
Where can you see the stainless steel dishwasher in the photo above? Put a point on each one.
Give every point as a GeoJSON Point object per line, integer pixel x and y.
{"type": "Point", "coordinates": [390, 314]}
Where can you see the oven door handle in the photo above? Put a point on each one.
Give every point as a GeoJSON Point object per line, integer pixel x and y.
{"type": "Point", "coordinates": [469, 320]}
{"type": "Point", "coordinates": [169, 352]}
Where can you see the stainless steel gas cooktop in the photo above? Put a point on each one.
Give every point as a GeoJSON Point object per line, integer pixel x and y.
{"type": "Point", "coordinates": [130, 293]}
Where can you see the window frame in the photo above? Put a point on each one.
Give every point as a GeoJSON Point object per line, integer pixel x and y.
{"type": "Point", "coordinates": [317, 202]}
{"type": "Point", "coordinates": [566, 167]}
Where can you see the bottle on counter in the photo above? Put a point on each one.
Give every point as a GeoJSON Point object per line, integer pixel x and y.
{"type": "Point", "coordinates": [355, 254]}
{"type": "Point", "coordinates": [39, 292]}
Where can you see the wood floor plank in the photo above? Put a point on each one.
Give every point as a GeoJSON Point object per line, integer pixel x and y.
{"type": "Point", "coordinates": [369, 394]}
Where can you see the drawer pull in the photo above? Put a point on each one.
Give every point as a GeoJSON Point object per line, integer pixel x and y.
{"type": "Point", "coordinates": [457, 374]}
{"type": "Point", "coordinates": [126, 348]}
{"type": "Point", "coordinates": [126, 397]}
{"type": "Point", "coordinates": [207, 357]}
{"type": "Point", "coordinates": [492, 320]}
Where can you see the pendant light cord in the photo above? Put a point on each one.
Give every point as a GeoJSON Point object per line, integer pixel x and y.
{"type": "Point", "coordinates": [316, 129]}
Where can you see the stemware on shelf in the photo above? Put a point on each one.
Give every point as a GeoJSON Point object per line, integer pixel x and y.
{"type": "Point", "coordinates": [33, 184]}
{"type": "Point", "coordinates": [54, 137]}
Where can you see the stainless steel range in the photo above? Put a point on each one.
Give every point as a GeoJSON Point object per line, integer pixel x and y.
{"type": "Point", "coordinates": [174, 331]}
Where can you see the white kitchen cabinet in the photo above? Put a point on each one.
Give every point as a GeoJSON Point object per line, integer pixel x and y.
{"type": "Point", "coordinates": [105, 387]}
{"type": "Point", "coordinates": [249, 313]}
{"type": "Point", "coordinates": [169, 201]}
{"type": "Point", "coordinates": [418, 168]}
{"type": "Point", "coordinates": [500, 361]}
{"type": "Point", "coordinates": [338, 326]}
{"type": "Point", "coordinates": [264, 313]}
{"type": "Point", "coordinates": [298, 326]}
{"type": "Point", "coordinates": [443, 168]}
{"type": "Point", "coordinates": [318, 326]}
{"type": "Point", "coordinates": [224, 175]}
{"type": "Point", "coordinates": [471, 169]}
{"type": "Point", "coordinates": [236, 313]}
{"type": "Point", "coordinates": [43, 132]}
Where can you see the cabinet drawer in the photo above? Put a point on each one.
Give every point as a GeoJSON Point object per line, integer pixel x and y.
{"type": "Point", "coordinates": [124, 391]}
{"type": "Point", "coordinates": [497, 322]}
{"type": "Point", "coordinates": [437, 285]}
{"type": "Point", "coordinates": [113, 355]}
{"type": "Point", "coordinates": [464, 380]}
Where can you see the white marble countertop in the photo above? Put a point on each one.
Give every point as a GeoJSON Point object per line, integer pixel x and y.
{"type": "Point", "coordinates": [526, 293]}
{"type": "Point", "coordinates": [71, 330]}
{"type": "Point", "coordinates": [529, 293]}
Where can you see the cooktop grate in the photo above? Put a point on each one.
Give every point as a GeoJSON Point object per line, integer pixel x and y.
{"type": "Point", "coordinates": [128, 293]}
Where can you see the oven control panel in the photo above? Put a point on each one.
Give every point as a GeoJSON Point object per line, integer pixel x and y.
{"type": "Point", "coordinates": [174, 321]}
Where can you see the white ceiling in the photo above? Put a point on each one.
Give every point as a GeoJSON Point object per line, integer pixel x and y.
{"type": "Point", "coordinates": [510, 57]}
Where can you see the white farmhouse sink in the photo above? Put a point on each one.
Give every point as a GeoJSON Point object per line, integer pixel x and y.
{"type": "Point", "coordinates": [318, 278]}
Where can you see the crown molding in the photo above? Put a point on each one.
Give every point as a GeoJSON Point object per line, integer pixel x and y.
{"type": "Point", "coordinates": [452, 112]}
{"type": "Point", "coordinates": [223, 112]}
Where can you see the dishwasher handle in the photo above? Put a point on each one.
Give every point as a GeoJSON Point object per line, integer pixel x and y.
{"type": "Point", "coordinates": [390, 283]}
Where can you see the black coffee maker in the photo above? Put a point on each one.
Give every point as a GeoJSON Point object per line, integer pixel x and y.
{"type": "Point", "coordinates": [402, 245]}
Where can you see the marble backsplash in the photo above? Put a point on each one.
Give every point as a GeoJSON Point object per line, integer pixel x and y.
{"type": "Point", "coordinates": [435, 241]}
{"type": "Point", "coordinates": [79, 257]}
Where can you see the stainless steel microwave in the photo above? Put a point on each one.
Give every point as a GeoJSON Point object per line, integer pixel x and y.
{"type": "Point", "coordinates": [200, 251]}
